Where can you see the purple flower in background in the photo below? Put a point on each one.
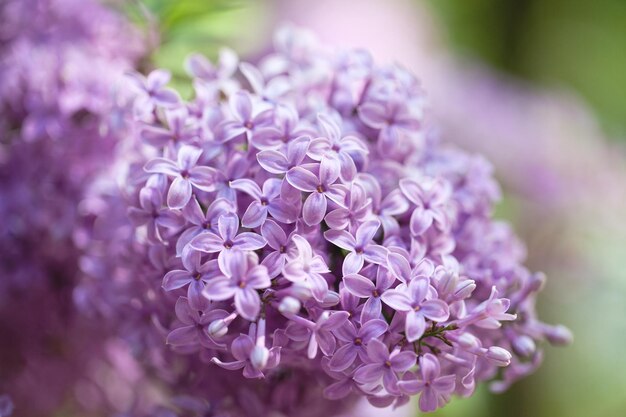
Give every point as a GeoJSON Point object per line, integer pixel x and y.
{"type": "Point", "coordinates": [266, 201]}
{"type": "Point", "coordinates": [227, 241]}
{"type": "Point", "coordinates": [414, 300]}
{"type": "Point", "coordinates": [246, 117]}
{"type": "Point", "coordinates": [186, 174]}
{"type": "Point", "coordinates": [241, 280]}
{"type": "Point", "coordinates": [385, 366]}
{"type": "Point", "coordinates": [361, 247]}
{"type": "Point", "coordinates": [153, 86]}
{"type": "Point", "coordinates": [435, 389]}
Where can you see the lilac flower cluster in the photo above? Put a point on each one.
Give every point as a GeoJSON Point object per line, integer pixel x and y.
{"type": "Point", "coordinates": [301, 216]}
{"type": "Point", "coordinates": [61, 62]}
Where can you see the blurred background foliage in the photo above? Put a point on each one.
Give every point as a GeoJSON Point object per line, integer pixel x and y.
{"type": "Point", "coordinates": [574, 45]}
{"type": "Point", "coordinates": [565, 43]}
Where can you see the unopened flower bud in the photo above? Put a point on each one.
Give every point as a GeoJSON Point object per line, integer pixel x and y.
{"type": "Point", "coordinates": [524, 345]}
{"type": "Point", "coordinates": [289, 305]}
{"type": "Point", "coordinates": [499, 356]}
{"type": "Point", "coordinates": [259, 357]}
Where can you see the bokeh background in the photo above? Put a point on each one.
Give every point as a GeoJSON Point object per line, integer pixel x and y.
{"type": "Point", "coordinates": [537, 86]}
{"type": "Point", "coordinates": [540, 88]}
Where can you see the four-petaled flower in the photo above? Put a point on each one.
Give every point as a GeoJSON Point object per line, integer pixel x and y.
{"type": "Point", "coordinates": [282, 245]}
{"type": "Point", "coordinates": [361, 246]}
{"type": "Point", "coordinates": [380, 364]}
{"type": "Point", "coordinates": [414, 299]}
{"type": "Point", "coordinates": [186, 174]}
{"type": "Point", "coordinates": [227, 241]}
{"type": "Point", "coordinates": [356, 342]}
{"type": "Point", "coordinates": [339, 151]}
{"type": "Point", "coordinates": [363, 287]}
{"type": "Point", "coordinates": [321, 188]}
{"type": "Point", "coordinates": [266, 201]}
{"type": "Point", "coordinates": [195, 275]}
{"type": "Point", "coordinates": [435, 389]}
{"type": "Point", "coordinates": [241, 280]}
{"type": "Point", "coordinates": [431, 203]}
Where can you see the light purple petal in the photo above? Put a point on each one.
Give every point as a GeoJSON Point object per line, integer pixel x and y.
{"type": "Point", "coordinates": [436, 310]}
{"type": "Point", "coordinates": [343, 357]}
{"type": "Point", "coordinates": [366, 232]}
{"type": "Point", "coordinates": [176, 279]}
{"type": "Point", "coordinates": [415, 326]}
{"type": "Point", "coordinates": [203, 178]}
{"type": "Point", "coordinates": [397, 300]}
{"type": "Point", "coordinates": [255, 215]}
{"type": "Point", "coordinates": [314, 209]}
{"type": "Point", "coordinates": [303, 179]}
{"type": "Point", "coordinates": [207, 242]}
{"type": "Point", "coordinates": [179, 194]}
{"type": "Point", "coordinates": [247, 186]}
{"type": "Point", "coordinates": [359, 285]}
{"type": "Point", "coordinates": [352, 264]}
{"type": "Point", "coordinates": [247, 303]}
{"type": "Point", "coordinates": [368, 374]}
{"type": "Point", "coordinates": [274, 234]}
{"type": "Point", "coordinates": [228, 224]}
{"type": "Point", "coordinates": [403, 361]}
{"type": "Point", "coordinates": [249, 241]}
{"type": "Point", "coordinates": [219, 289]}
{"type": "Point", "coordinates": [183, 336]}
{"type": "Point", "coordinates": [341, 238]}
{"type": "Point", "coordinates": [273, 162]}
{"type": "Point", "coordinates": [161, 166]}
{"type": "Point", "coordinates": [372, 330]}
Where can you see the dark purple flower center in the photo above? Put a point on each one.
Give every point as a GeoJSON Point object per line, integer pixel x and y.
{"type": "Point", "coordinates": [375, 293]}
{"type": "Point", "coordinates": [387, 364]}
{"type": "Point", "coordinates": [417, 308]}
{"type": "Point", "coordinates": [358, 341]}
{"type": "Point", "coordinates": [184, 173]}
{"type": "Point", "coordinates": [264, 201]}
{"type": "Point", "coordinates": [248, 125]}
{"type": "Point", "coordinates": [358, 250]}
{"type": "Point", "coordinates": [197, 276]}
{"type": "Point", "coordinates": [228, 244]}
{"type": "Point", "coordinates": [321, 188]}
{"type": "Point", "coordinates": [282, 249]}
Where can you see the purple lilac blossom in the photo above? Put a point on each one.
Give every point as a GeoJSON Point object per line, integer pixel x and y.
{"type": "Point", "coordinates": [431, 292]}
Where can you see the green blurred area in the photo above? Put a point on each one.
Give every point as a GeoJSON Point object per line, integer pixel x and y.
{"type": "Point", "coordinates": [578, 44]}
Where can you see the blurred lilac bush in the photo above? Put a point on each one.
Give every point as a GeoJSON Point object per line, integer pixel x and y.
{"type": "Point", "coordinates": [299, 224]}
{"type": "Point", "coordinates": [61, 115]}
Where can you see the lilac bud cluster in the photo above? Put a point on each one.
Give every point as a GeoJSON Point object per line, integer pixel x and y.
{"type": "Point", "coordinates": [302, 218]}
